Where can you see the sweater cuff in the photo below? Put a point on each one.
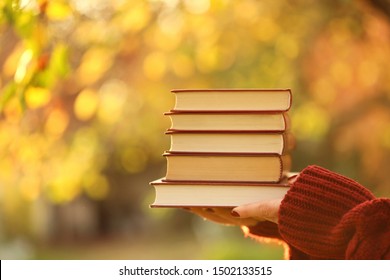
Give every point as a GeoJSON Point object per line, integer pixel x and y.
{"type": "Point", "coordinates": [314, 206]}
{"type": "Point", "coordinates": [265, 229]}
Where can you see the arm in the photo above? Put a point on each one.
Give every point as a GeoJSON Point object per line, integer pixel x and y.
{"type": "Point", "coordinates": [327, 216]}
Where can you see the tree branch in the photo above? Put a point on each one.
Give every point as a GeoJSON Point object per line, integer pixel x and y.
{"type": "Point", "coordinates": [383, 6]}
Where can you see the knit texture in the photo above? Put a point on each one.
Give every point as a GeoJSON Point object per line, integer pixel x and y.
{"type": "Point", "coordinates": [265, 229]}
{"type": "Point", "coordinates": [325, 215]}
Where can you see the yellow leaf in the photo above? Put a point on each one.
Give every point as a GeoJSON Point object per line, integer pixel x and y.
{"type": "Point", "coordinates": [155, 65]}
{"type": "Point", "coordinates": [86, 104]}
{"type": "Point", "coordinates": [182, 66]}
{"type": "Point", "coordinates": [135, 17]}
{"type": "Point", "coordinates": [112, 98]}
{"type": "Point", "coordinates": [58, 11]}
{"type": "Point", "coordinates": [11, 62]}
{"type": "Point", "coordinates": [310, 122]}
{"type": "Point", "coordinates": [95, 63]}
{"type": "Point", "coordinates": [56, 123]}
{"type": "Point", "coordinates": [37, 97]}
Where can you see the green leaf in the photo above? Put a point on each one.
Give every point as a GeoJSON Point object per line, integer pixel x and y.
{"type": "Point", "coordinates": [58, 67]}
{"type": "Point", "coordinates": [7, 93]}
{"type": "Point", "coordinates": [59, 62]}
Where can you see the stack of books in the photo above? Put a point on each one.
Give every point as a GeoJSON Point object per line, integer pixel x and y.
{"type": "Point", "coordinates": [229, 147]}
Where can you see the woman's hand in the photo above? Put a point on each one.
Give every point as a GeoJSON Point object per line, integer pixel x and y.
{"type": "Point", "coordinates": [244, 215]}
{"type": "Point", "coordinates": [222, 215]}
{"type": "Point", "coordinates": [259, 211]}
{"type": "Point", "coordinates": [262, 211]}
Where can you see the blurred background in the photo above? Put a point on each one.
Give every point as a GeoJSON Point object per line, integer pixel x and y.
{"type": "Point", "coordinates": [84, 85]}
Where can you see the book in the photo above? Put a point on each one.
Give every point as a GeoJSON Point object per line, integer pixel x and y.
{"type": "Point", "coordinates": [213, 194]}
{"type": "Point", "coordinates": [226, 167]}
{"type": "Point", "coordinates": [228, 147]}
{"type": "Point", "coordinates": [271, 100]}
{"type": "Point", "coordinates": [233, 141]}
{"type": "Point", "coordinates": [228, 121]}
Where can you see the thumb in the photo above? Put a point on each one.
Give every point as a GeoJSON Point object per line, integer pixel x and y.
{"type": "Point", "coordinates": [267, 210]}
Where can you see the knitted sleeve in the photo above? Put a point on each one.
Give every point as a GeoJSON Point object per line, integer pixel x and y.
{"type": "Point", "coordinates": [327, 216]}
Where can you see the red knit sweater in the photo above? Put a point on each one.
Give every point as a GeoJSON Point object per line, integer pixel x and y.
{"type": "Point", "coordinates": [327, 216]}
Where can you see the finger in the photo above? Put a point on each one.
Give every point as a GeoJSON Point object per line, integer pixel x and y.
{"type": "Point", "coordinates": [221, 215]}
{"type": "Point", "coordinates": [261, 211]}
{"type": "Point", "coordinates": [226, 213]}
{"type": "Point", "coordinates": [209, 214]}
{"type": "Point", "coordinates": [293, 178]}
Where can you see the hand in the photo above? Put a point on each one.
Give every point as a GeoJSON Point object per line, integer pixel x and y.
{"type": "Point", "coordinates": [222, 215]}
{"type": "Point", "coordinates": [262, 211]}
{"type": "Point", "coordinates": [259, 211]}
{"type": "Point", "coordinates": [244, 215]}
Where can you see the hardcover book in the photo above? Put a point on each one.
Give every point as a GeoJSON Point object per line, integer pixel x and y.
{"type": "Point", "coordinates": [229, 147]}
{"type": "Point", "coordinates": [232, 142]}
{"type": "Point", "coordinates": [226, 167]}
{"type": "Point", "coordinates": [271, 100]}
{"type": "Point", "coordinates": [213, 194]}
{"type": "Point", "coordinates": [228, 121]}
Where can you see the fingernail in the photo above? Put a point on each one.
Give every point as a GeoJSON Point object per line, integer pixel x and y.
{"type": "Point", "coordinates": [234, 213]}
{"type": "Point", "coordinates": [293, 178]}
